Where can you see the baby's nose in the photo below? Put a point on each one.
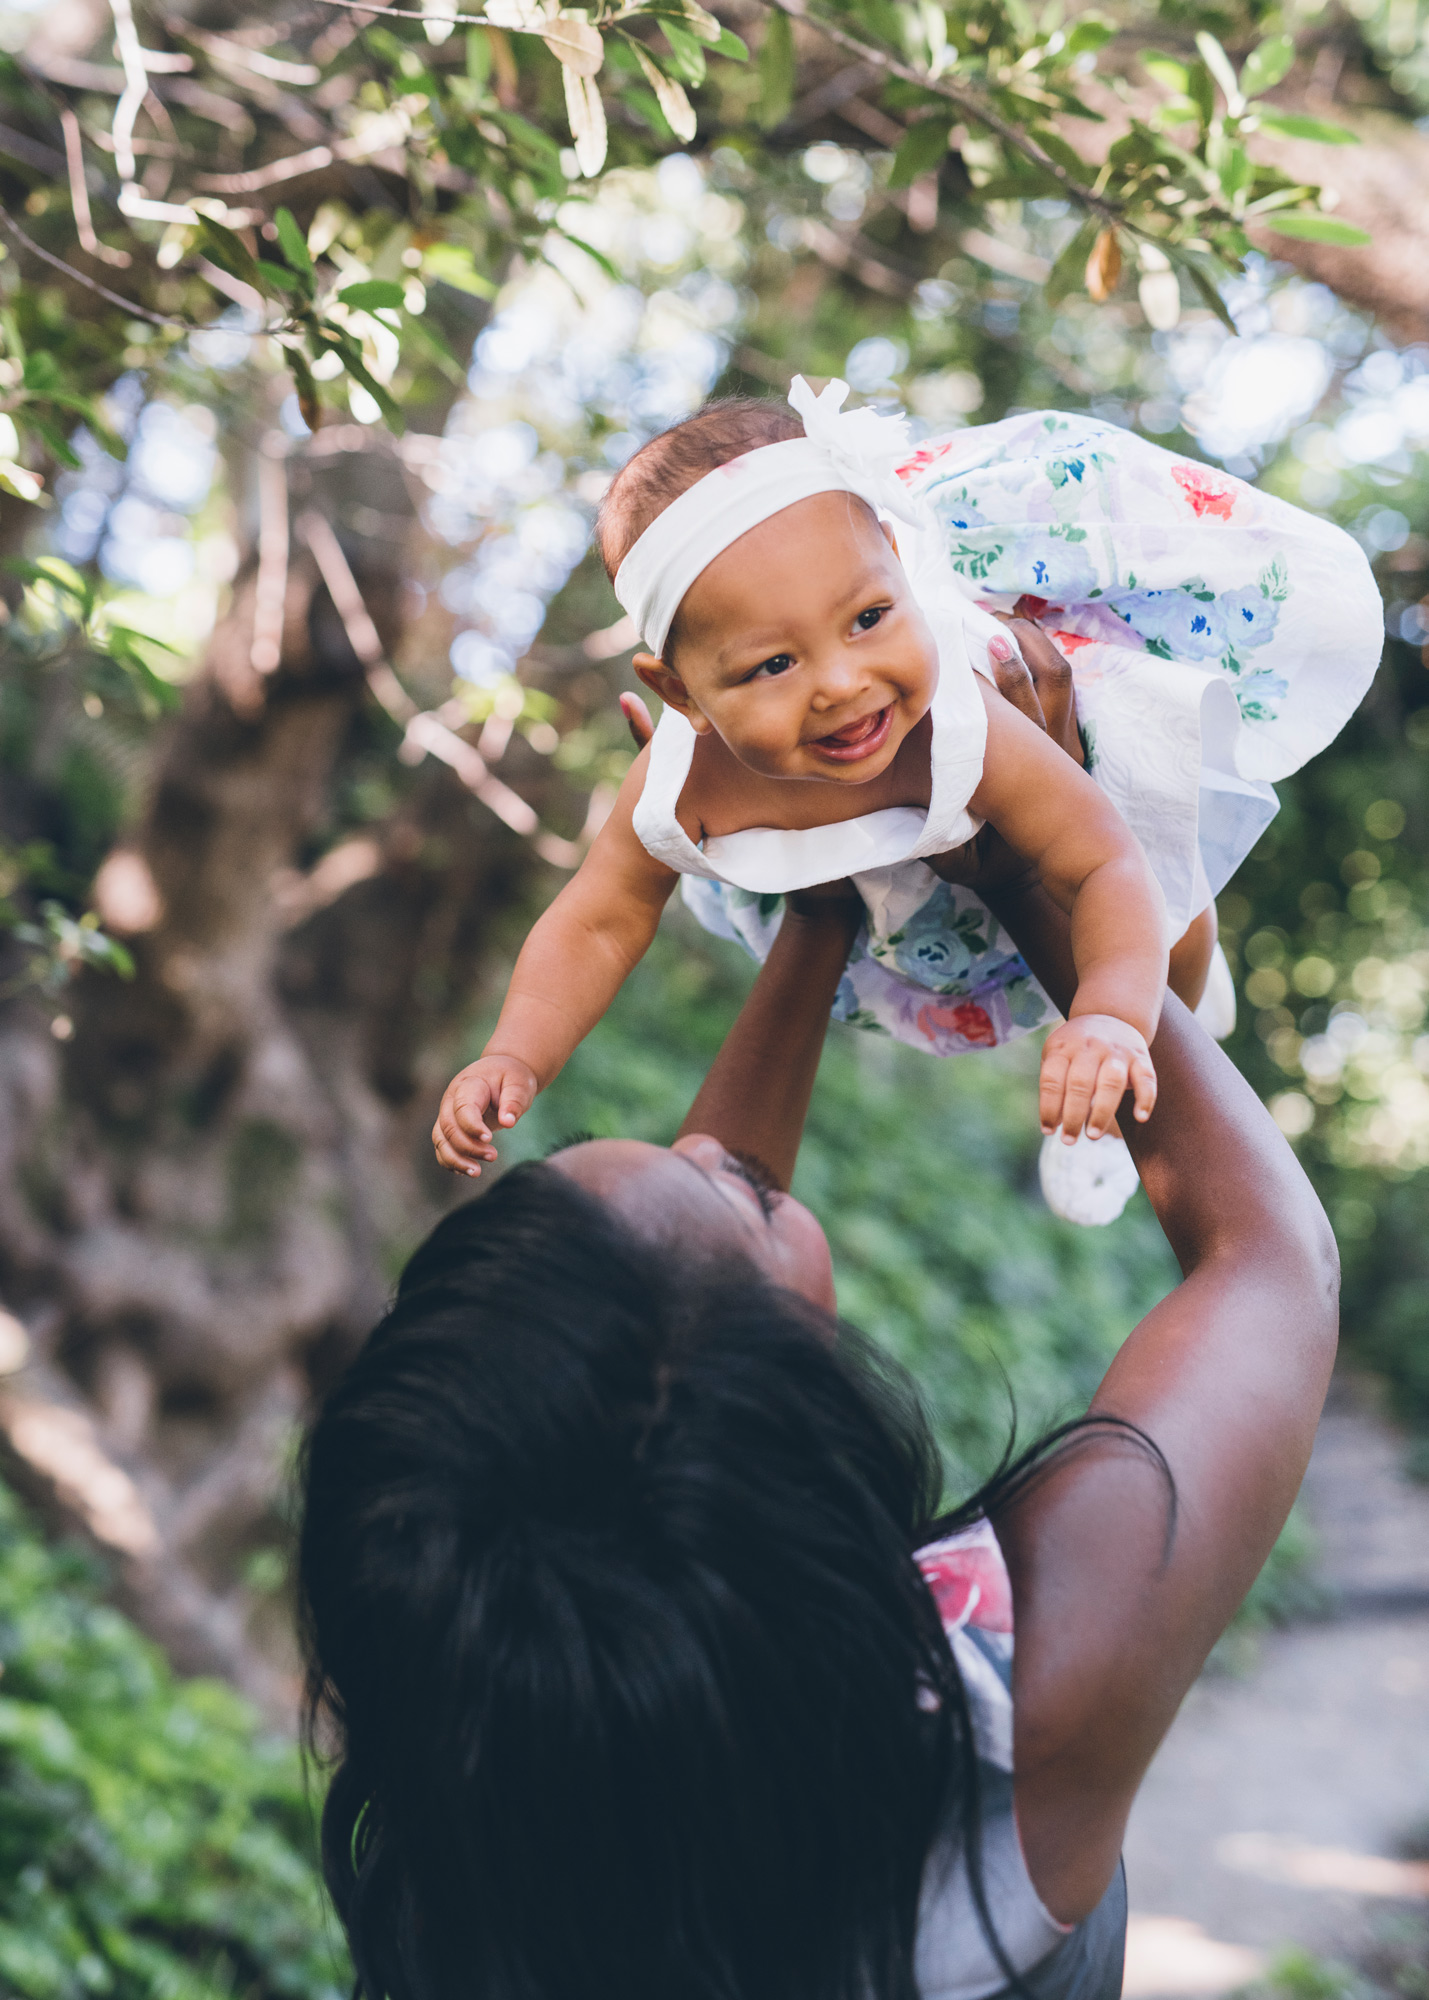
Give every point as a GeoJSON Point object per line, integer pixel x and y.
{"type": "Point", "coordinates": [839, 679]}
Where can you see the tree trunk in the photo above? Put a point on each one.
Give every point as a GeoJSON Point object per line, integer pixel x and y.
{"type": "Point", "coordinates": [206, 1191]}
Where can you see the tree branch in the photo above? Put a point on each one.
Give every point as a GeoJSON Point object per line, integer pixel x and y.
{"type": "Point", "coordinates": [971, 106]}
{"type": "Point", "coordinates": [92, 284]}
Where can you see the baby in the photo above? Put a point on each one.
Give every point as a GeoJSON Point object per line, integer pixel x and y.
{"type": "Point", "coordinates": [812, 602]}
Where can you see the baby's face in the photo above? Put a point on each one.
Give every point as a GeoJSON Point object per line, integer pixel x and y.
{"type": "Point", "coordinates": [801, 646]}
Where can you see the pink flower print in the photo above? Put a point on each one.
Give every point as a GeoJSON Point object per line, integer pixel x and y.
{"type": "Point", "coordinates": [967, 1020]}
{"type": "Point", "coordinates": [969, 1586]}
{"type": "Point", "coordinates": [1071, 642]}
{"type": "Point", "coordinates": [1206, 493]}
{"type": "Point", "coordinates": [925, 456]}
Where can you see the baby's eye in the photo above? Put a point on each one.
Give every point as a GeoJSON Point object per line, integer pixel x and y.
{"type": "Point", "coordinates": [778, 663]}
{"type": "Point", "coordinates": [866, 620]}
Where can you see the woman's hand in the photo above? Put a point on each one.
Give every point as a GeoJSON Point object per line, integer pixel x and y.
{"type": "Point", "coordinates": [1035, 677]}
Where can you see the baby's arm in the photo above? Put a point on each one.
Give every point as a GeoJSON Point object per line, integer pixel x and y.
{"type": "Point", "coordinates": [1090, 863]}
{"type": "Point", "coordinates": [570, 969]}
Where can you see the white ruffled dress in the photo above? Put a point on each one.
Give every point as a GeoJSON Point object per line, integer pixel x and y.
{"type": "Point", "coordinates": [1219, 637]}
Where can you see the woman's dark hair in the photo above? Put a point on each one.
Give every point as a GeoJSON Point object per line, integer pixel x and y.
{"type": "Point", "coordinates": [610, 1599]}
{"type": "Point", "coordinates": [610, 1596]}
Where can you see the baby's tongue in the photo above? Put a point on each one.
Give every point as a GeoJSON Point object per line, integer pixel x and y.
{"type": "Point", "coordinates": [853, 732]}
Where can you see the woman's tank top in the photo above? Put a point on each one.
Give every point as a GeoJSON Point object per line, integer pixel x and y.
{"type": "Point", "coordinates": [955, 1960]}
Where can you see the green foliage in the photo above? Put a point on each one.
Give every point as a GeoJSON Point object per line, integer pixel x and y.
{"type": "Point", "coordinates": [478, 128]}
{"type": "Point", "coordinates": [154, 1843]}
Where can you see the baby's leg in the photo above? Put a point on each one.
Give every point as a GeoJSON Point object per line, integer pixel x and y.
{"type": "Point", "coordinates": [1191, 958]}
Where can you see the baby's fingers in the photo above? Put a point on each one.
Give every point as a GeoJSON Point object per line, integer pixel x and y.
{"type": "Point", "coordinates": [1143, 1086]}
{"type": "Point", "coordinates": [1079, 1092]}
{"type": "Point", "coordinates": [454, 1150]}
{"type": "Point", "coordinates": [1051, 1087]}
{"type": "Point", "coordinates": [516, 1095]}
{"type": "Point", "coordinates": [1109, 1091]}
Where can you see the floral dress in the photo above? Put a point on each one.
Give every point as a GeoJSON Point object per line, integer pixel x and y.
{"type": "Point", "coordinates": [1218, 636]}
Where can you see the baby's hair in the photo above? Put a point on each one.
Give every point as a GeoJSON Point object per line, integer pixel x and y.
{"type": "Point", "coordinates": [669, 464]}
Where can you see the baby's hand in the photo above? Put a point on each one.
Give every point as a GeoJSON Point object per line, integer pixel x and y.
{"type": "Point", "coordinates": [503, 1085]}
{"type": "Point", "coordinates": [1088, 1065]}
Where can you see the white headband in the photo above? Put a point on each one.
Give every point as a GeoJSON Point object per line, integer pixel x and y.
{"type": "Point", "coordinates": [854, 451]}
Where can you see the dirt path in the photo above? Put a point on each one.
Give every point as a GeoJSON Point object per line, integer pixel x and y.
{"type": "Point", "coordinates": [1286, 1806]}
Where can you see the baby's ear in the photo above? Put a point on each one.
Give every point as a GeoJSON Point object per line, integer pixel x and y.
{"type": "Point", "coordinates": [665, 682]}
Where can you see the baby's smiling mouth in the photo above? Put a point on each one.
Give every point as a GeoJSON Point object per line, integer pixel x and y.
{"type": "Point", "coordinates": [855, 740]}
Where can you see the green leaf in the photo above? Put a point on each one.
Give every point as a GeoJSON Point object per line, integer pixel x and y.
{"type": "Point", "coordinates": [1066, 274]}
{"type": "Point", "coordinates": [1090, 33]}
{"type": "Point", "coordinates": [291, 242]}
{"type": "Point", "coordinates": [1292, 125]}
{"type": "Point", "coordinates": [1219, 64]}
{"type": "Point", "coordinates": [597, 256]}
{"type": "Point", "coordinates": [920, 151]}
{"type": "Point", "coordinates": [729, 45]}
{"type": "Point", "coordinates": [307, 389]}
{"type": "Point", "coordinates": [1266, 65]}
{"type": "Point", "coordinates": [372, 295]}
{"type": "Point", "coordinates": [426, 335]}
{"type": "Point", "coordinates": [1320, 229]}
{"type": "Point", "coordinates": [360, 373]}
{"type": "Point", "coordinates": [55, 574]}
{"type": "Point", "coordinates": [222, 247]}
{"type": "Point", "coordinates": [455, 265]}
{"type": "Point", "coordinates": [54, 440]}
{"type": "Point", "coordinates": [478, 56]}
{"type": "Point", "coordinates": [776, 71]}
{"type": "Point", "coordinates": [686, 50]}
{"type": "Point", "coordinates": [1203, 277]}
{"type": "Point", "coordinates": [1166, 71]}
{"type": "Point", "coordinates": [42, 373]}
{"type": "Point", "coordinates": [279, 282]}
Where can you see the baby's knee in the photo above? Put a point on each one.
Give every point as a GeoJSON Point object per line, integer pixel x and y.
{"type": "Point", "coordinates": [1191, 957]}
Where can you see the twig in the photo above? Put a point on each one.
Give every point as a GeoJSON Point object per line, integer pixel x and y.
{"type": "Point", "coordinates": [270, 592]}
{"type": "Point", "coordinates": [92, 284]}
{"type": "Point", "coordinates": [79, 197]}
{"type": "Point", "coordinates": [971, 106]}
{"type": "Point", "coordinates": [425, 732]}
{"type": "Point", "coordinates": [375, 7]}
{"type": "Point", "coordinates": [136, 86]}
{"type": "Point", "coordinates": [390, 130]}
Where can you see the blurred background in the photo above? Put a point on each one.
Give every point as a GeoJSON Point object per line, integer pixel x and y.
{"type": "Point", "coordinates": [306, 711]}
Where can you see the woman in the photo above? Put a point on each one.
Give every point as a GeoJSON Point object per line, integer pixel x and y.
{"type": "Point", "coordinates": [652, 1668]}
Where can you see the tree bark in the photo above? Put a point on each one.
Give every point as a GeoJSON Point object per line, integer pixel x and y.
{"type": "Point", "coordinates": [205, 1193]}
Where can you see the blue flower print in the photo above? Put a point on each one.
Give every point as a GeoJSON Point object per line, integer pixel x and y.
{"type": "Point", "coordinates": [938, 945]}
{"type": "Point", "coordinates": [1260, 695]}
{"type": "Point", "coordinates": [960, 516]}
{"type": "Point", "coordinates": [1052, 566]}
{"type": "Point", "coordinates": [1178, 622]}
{"type": "Point", "coordinates": [1250, 617]}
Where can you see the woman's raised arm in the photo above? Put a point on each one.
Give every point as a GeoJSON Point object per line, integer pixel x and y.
{"type": "Point", "coordinates": [1121, 1593]}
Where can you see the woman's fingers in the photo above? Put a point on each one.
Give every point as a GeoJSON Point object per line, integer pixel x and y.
{"type": "Point", "coordinates": [637, 716]}
{"type": "Point", "coordinates": [1014, 681]}
{"type": "Point", "coordinates": [1050, 673]}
